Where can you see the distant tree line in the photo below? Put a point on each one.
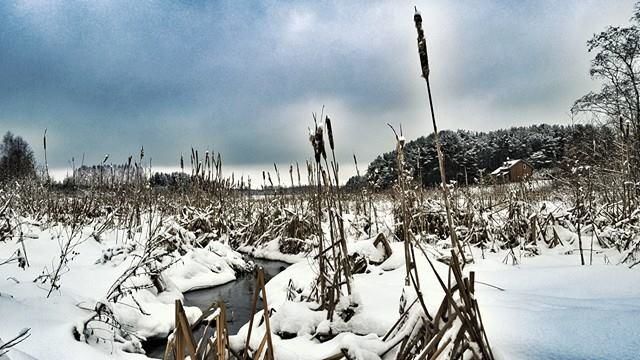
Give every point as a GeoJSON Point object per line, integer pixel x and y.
{"type": "Point", "coordinates": [172, 180]}
{"type": "Point", "coordinates": [468, 157]}
{"type": "Point", "coordinates": [471, 155]}
{"type": "Point", "coordinates": [16, 158]}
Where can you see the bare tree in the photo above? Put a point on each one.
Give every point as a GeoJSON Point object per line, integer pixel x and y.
{"type": "Point", "coordinates": [16, 158]}
{"type": "Point", "coordinates": [617, 65]}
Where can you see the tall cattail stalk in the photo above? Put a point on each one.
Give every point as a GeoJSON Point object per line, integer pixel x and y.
{"type": "Point", "coordinates": [333, 260]}
{"type": "Point", "coordinates": [46, 163]}
{"type": "Point", "coordinates": [277, 174]}
{"type": "Point", "coordinates": [264, 180]}
{"type": "Point", "coordinates": [355, 161]}
{"type": "Point", "coordinates": [424, 63]}
{"type": "Point", "coordinates": [128, 168]}
{"type": "Point", "coordinates": [193, 159]}
{"type": "Point", "coordinates": [408, 249]}
{"type": "Point", "coordinates": [102, 165]}
{"type": "Point", "coordinates": [73, 168]}
{"type": "Point", "coordinates": [343, 241]}
{"type": "Point", "coordinates": [291, 175]}
{"type": "Point", "coordinates": [207, 166]}
{"type": "Point", "coordinates": [141, 175]}
{"type": "Point", "coordinates": [198, 165]}
{"type": "Point", "coordinates": [318, 149]}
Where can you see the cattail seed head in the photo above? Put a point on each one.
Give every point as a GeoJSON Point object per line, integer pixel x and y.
{"type": "Point", "coordinates": [422, 44]}
{"type": "Point", "coordinates": [329, 132]}
{"type": "Point", "coordinates": [355, 160]}
{"type": "Point", "coordinates": [316, 151]}
{"type": "Point", "coordinates": [317, 141]}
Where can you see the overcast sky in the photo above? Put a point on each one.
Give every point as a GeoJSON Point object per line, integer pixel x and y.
{"type": "Point", "coordinates": [243, 78]}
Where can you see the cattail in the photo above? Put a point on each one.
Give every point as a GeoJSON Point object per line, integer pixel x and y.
{"type": "Point", "coordinates": [46, 164]}
{"type": "Point", "coordinates": [277, 173]}
{"type": "Point", "coordinates": [73, 166]}
{"type": "Point", "coordinates": [181, 162]}
{"type": "Point", "coordinates": [291, 174]}
{"type": "Point", "coordinates": [329, 132]}
{"type": "Point", "coordinates": [219, 174]}
{"type": "Point", "coordinates": [193, 158]}
{"type": "Point", "coordinates": [298, 170]}
{"type": "Point", "coordinates": [198, 164]}
{"type": "Point", "coordinates": [316, 153]}
{"type": "Point", "coordinates": [356, 162]}
{"type": "Point", "coordinates": [422, 44]}
{"type": "Point", "coordinates": [128, 167]}
{"type": "Point", "coordinates": [317, 141]}
{"type": "Point", "coordinates": [207, 165]}
{"type": "Point", "coordinates": [320, 140]}
{"type": "Point", "coordinates": [424, 62]}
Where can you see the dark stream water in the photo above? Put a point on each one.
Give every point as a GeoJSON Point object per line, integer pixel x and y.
{"type": "Point", "coordinates": [237, 296]}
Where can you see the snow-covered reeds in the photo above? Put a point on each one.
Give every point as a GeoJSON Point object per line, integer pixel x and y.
{"type": "Point", "coordinates": [424, 62]}
{"type": "Point", "coordinates": [334, 266]}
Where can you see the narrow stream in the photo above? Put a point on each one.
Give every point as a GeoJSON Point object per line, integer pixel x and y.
{"type": "Point", "coordinates": [237, 296]}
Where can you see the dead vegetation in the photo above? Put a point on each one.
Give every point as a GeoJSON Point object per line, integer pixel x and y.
{"type": "Point", "coordinates": [202, 207]}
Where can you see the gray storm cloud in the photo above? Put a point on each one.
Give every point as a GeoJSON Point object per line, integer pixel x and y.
{"type": "Point", "coordinates": [243, 77]}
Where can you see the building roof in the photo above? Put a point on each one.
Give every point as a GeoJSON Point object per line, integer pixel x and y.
{"type": "Point", "coordinates": [506, 166]}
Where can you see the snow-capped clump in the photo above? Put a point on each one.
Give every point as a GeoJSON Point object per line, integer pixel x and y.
{"type": "Point", "coordinates": [112, 294]}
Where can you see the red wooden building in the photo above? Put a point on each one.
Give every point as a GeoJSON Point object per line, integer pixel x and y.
{"type": "Point", "coordinates": [512, 171]}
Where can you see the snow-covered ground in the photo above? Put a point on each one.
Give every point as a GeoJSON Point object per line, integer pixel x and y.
{"type": "Point", "coordinates": [550, 306]}
{"type": "Point", "coordinates": [86, 282]}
